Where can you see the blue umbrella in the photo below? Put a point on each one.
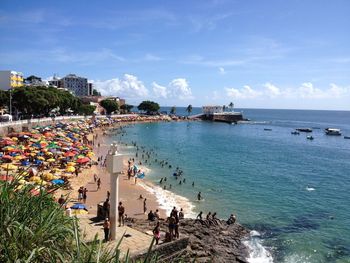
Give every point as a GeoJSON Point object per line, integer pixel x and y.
{"type": "Point", "coordinates": [57, 181]}
{"type": "Point", "coordinates": [25, 163]}
{"type": "Point", "coordinates": [78, 206]}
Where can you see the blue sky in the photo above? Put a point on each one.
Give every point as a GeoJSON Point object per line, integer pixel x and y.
{"type": "Point", "coordinates": [258, 54]}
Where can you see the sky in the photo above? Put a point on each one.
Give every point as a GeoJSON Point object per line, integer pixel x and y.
{"type": "Point", "coordinates": [280, 54]}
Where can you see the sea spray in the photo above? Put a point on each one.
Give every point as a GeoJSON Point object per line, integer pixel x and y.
{"type": "Point", "coordinates": [167, 200]}
{"type": "Point", "coordinates": [257, 252]}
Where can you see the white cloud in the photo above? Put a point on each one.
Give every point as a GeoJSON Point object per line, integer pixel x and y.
{"type": "Point", "coordinates": [222, 71]}
{"type": "Point", "coordinates": [127, 87]}
{"type": "Point", "coordinates": [307, 90]}
{"type": "Point", "coordinates": [271, 90]}
{"type": "Point", "coordinates": [244, 93]}
{"type": "Point", "coordinates": [151, 57]}
{"type": "Point", "coordinates": [177, 88]}
{"type": "Point", "coordinates": [159, 91]}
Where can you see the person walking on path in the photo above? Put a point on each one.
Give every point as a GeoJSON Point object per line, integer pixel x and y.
{"type": "Point", "coordinates": [98, 183]}
{"type": "Point", "coordinates": [144, 206]}
{"type": "Point", "coordinates": [156, 233]}
{"type": "Point", "coordinates": [121, 211]}
{"type": "Point", "coordinates": [95, 178]}
{"type": "Point", "coordinates": [85, 195]}
{"type": "Point", "coordinates": [106, 227]}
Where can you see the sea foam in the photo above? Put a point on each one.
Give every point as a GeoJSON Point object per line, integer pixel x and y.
{"type": "Point", "coordinates": [257, 252]}
{"type": "Point", "coordinates": [167, 199]}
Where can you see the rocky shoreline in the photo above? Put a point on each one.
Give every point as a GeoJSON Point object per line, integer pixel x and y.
{"type": "Point", "coordinates": [216, 243]}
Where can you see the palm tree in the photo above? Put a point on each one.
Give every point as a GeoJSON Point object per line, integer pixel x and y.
{"type": "Point", "coordinates": [231, 105]}
{"type": "Point", "coordinates": [189, 109]}
{"type": "Point", "coordinates": [224, 108]}
{"type": "Point", "coordinates": [173, 110]}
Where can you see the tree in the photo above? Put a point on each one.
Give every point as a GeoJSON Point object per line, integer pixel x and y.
{"type": "Point", "coordinates": [126, 108]}
{"type": "Point", "coordinates": [224, 108]}
{"type": "Point", "coordinates": [86, 109]}
{"type": "Point", "coordinates": [189, 109]}
{"type": "Point", "coordinates": [4, 98]}
{"type": "Point", "coordinates": [95, 92]}
{"type": "Point", "coordinates": [109, 105]}
{"type": "Point", "coordinates": [173, 110]}
{"type": "Point", "coordinates": [231, 105]}
{"type": "Point", "coordinates": [148, 106]}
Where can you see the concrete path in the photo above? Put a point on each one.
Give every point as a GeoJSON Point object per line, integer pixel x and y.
{"type": "Point", "coordinates": [133, 241]}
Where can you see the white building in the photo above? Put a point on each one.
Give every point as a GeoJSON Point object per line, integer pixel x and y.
{"type": "Point", "coordinates": [10, 79]}
{"type": "Point", "coordinates": [79, 86]}
{"type": "Point", "coordinates": [212, 109]}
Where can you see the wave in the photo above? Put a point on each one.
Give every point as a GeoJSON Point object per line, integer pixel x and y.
{"type": "Point", "coordinates": [167, 199]}
{"type": "Point", "coordinates": [257, 252]}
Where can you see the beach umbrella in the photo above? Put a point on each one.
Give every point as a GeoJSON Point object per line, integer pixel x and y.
{"type": "Point", "coordinates": [8, 167]}
{"type": "Point", "coordinates": [57, 181]}
{"type": "Point", "coordinates": [78, 206]}
{"type": "Point", "coordinates": [79, 212]}
{"type": "Point", "coordinates": [25, 163]}
{"type": "Point", "coordinates": [51, 160]}
{"type": "Point", "coordinates": [83, 160]}
{"type": "Point", "coordinates": [6, 178]}
{"type": "Point", "coordinates": [48, 176]}
{"type": "Point", "coordinates": [41, 158]}
{"type": "Point", "coordinates": [71, 164]}
{"type": "Point", "coordinates": [70, 169]}
{"type": "Point", "coordinates": [8, 157]}
{"type": "Point", "coordinates": [69, 154]}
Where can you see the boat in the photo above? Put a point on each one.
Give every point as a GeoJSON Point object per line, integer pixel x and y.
{"type": "Point", "coordinates": [332, 131]}
{"type": "Point", "coordinates": [346, 137]}
{"type": "Point", "coordinates": [267, 129]}
{"type": "Point", "coordinates": [309, 137]}
{"type": "Point", "coordinates": [304, 129]}
{"type": "Point", "coordinates": [295, 133]}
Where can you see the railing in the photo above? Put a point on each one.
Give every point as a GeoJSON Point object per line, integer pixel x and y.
{"type": "Point", "coordinates": [60, 118]}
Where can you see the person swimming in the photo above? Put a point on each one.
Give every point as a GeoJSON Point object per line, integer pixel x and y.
{"type": "Point", "coordinates": [199, 196]}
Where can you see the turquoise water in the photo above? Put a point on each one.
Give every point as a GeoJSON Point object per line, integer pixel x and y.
{"type": "Point", "coordinates": [294, 191]}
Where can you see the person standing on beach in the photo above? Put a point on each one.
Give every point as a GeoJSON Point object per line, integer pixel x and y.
{"type": "Point", "coordinates": [98, 183]}
{"type": "Point", "coordinates": [95, 178]}
{"type": "Point", "coordinates": [144, 206]}
{"type": "Point", "coordinates": [106, 227]}
{"type": "Point", "coordinates": [121, 211]}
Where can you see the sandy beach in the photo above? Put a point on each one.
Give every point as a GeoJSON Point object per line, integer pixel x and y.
{"type": "Point", "coordinates": [129, 192]}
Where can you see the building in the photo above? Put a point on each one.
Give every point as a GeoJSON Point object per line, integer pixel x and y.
{"type": "Point", "coordinates": [212, 109]}
{"type": "Point", "coordinates": [35, 81]}
{"type": "Point", "coordinates": [10, 79]}
{"type": "Point", "coordinates": [79, 86]}
{"type": "Point", "coordinates": [95, 101]}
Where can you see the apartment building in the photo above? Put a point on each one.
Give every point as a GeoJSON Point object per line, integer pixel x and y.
{"type": "Point", "coordinates": [10, 79]}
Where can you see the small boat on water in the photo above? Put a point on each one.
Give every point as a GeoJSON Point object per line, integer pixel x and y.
{"type": "Point", "coordinates": [346, 137]}
{"type": "Point", "coordinates": [304, 129]}
{"type": "Point", "coordinates": [309, 137]}
{"type": "Point", "coordinates": [295, 133]}
{"type": "Point", "coordinates": [267, 129]}
{"type": "Point", "coordinates": [332, 131]}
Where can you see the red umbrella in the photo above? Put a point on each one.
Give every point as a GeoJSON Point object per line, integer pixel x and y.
{"type": "Point", "coordinates": [69, 154]}
{"type": "Point", "coordinates": [6, 178]}
{"type": "Point", "coordinates": [83, 160]}
{"type": "Point", "coordinates": [8, 157]}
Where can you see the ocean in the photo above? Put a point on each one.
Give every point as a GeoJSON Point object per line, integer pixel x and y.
{"type": "Point", "coordinates": [293, 193]}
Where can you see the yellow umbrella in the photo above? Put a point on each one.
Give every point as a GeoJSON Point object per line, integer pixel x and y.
{"type": "Point", "coordinates": [19, 157]}
{"type": "Point", "coordinates": [8, 167]}
{"type": "Point", "coordinates": [51, 160]}
{"type": "Point", "coordinates": [90, 154]}
{"type": "Point", "coordinates": [48, 176]}
{"type": "Point", "coordinates": [71, 164]}
{"type": "Point", "coordinates": [70, 169]}
{"type": "Point", "coordinates": [41, 158]}
{"type": "Point", "coordinates": [35, 179]}
{"type": "Point", "coordinates": [79, 212]}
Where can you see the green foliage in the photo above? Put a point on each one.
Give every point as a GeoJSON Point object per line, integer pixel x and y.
{"type": "Point", "coordinates": [231, 105]}
{"type": "Point", "coordinates": [42, 100]}
{"type": "Point", "coordinates": [4, 98]}
{"type": "Point", "coordinates": [189, 109]}
{"type": "Point", "coordinates": [149, 106]}
{"type": "Point", "coordinates": [95, 92]}
{"type": "Point", "coordinates": [109, 105]}
{"type": "Point", "coordinates": [126, 107]}
{"type": "Point", "coordinates": [173, 110]}
{"type": "Point", "coordinates": [86, 109]}
{"type": "Point", "coordinates": [34, 228]}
